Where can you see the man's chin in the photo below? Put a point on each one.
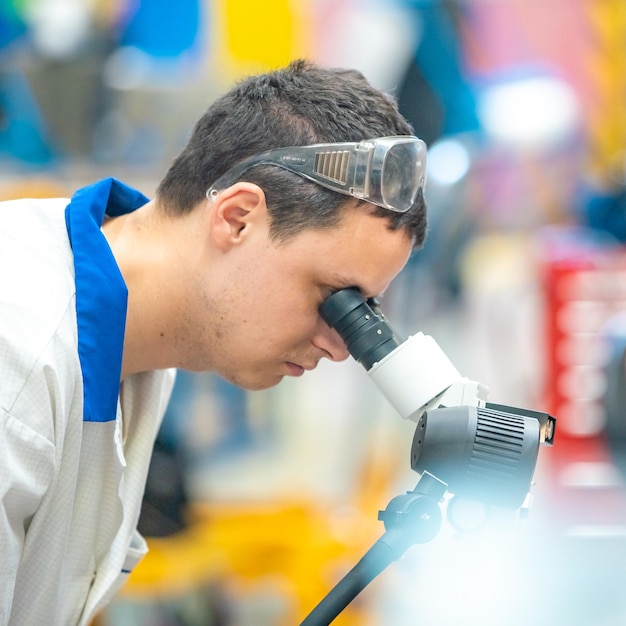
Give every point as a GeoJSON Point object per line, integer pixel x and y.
{"type": "Point", "coordinates": [256, 384]}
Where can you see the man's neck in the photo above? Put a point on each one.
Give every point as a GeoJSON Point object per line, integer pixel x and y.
{"type": "Point", "coordinates": [155, 254]}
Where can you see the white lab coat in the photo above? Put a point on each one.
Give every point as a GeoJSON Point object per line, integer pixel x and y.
{"type": "Point", "coordinates": [70, 489]}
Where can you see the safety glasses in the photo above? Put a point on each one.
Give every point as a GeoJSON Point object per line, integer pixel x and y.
{"type": "Point", "coordinates": [386, 171]}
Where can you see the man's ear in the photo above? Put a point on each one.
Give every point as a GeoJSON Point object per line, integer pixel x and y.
{"type": "Point", "coordinates": [235, 212]}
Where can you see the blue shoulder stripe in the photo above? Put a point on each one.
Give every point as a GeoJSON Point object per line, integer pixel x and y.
{"type": "Point", "coordinates": [101, 293]}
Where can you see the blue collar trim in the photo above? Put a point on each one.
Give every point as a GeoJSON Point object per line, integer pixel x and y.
{"type": "Point", "coordinates": [101, 293]}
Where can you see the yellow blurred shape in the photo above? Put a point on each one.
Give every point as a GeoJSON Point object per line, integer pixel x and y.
{"type": "Point", "coordinates": [605, 61]}
{"type": "Point", "coordinates": [258, 36]}
{"type": "Point", "coordinates": [290, 550]}
{"type": "Point", "coordinates": [33, 188]}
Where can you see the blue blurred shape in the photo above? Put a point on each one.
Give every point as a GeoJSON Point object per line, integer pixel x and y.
{"type": "Point", "coordinates": [163, 29]}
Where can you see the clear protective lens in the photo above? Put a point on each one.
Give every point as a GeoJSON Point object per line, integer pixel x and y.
{"type": "Point", "coordinates": [400, 181]}
{"type": "Point", "coordinates": [387, 171]}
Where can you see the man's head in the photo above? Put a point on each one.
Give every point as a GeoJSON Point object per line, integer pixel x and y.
{"type": "Point", "coordinates": [252, 266]}
{"type": "Point", "coordinates": [299, 105]}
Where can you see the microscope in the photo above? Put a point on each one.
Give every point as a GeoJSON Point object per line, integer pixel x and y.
{"type": "Point", "coordinates": [463, 446]}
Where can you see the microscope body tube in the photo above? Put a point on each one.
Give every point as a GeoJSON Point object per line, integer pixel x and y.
{"type": "Point", "coordinates": [417, 376]}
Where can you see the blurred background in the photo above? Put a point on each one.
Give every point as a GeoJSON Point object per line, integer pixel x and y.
{"type": "Point", "coordinates": [257, 503]}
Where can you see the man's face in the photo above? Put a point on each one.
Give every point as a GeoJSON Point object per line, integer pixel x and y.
{"type": "Point", "coordinates": [265, 318]}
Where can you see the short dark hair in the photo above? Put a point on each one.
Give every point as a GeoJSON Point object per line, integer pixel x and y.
{"type": "Point", "coordinates": [300, 104]}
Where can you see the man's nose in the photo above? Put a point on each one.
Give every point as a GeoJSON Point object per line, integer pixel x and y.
{"type": "Point", "coordinates": [329, 340]}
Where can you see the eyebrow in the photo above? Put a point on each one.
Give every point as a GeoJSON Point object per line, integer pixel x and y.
{"type": "Point", "coordinates": [343, 282]}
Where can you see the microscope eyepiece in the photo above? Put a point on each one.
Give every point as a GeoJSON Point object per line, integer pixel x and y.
{"type": "Point", "coordinates": [360, 324]}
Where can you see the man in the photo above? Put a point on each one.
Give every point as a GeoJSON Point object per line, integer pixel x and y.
{"type": "Point", "coordinates": [224, 271]}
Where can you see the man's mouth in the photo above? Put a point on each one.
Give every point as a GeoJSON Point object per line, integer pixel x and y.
{"type": "Point", "coordinates": [298, 370]}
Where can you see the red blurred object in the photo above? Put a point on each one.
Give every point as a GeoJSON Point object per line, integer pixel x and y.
{"type": "Point", "coordinates": [584, 286]}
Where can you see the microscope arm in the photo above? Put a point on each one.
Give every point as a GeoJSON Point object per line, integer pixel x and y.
{"type": "Point", "coordinates": [417, 376]}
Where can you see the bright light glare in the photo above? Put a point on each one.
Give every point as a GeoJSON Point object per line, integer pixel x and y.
{"type": "Point", "coordinates": [470, 579]}
{"type": "Point", "coordinates": [532, 112]}
{"type": "Point", "coordinates": [448, 162]}
{"type": "Point", "coordinates": [59, 27]}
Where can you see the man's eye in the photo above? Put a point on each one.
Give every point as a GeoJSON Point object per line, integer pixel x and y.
{"type": "Point", "coordinates": [327, 292]}
{"type": "Point", "coordinates": [331, 291]}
